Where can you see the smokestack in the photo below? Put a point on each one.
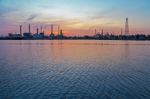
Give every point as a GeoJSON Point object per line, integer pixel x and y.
{"type": "Point", "coordinates": [52, 28]}
{"type": "Point", "coordinates": [102, 32]}
{"type": "Point", "coordinates": [61, 32]}
{"type": "Point", "coordinates": [21, 30]}
{"type": "Point", "coordinates": [37, 30]}
{"type": "Point", "coordinates": [127, 27]}
{"type": "Point", "coordinates": [121, 31]}
{"type": "Point", "coordinates": [29, 29]}
{"type": "Point", "coordinates": [95, 32]}
{"type": "Point", "coordinates": [126, 19]}
{"type": "Point", "coordinates": [41, 29]}
{"type": "Point", "coordinates": [58, 29]}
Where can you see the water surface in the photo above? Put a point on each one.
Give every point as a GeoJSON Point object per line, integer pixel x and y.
{"type": "Point", "coordinates": [74, 69]}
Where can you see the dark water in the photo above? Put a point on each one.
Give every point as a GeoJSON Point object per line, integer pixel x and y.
{"type": "Point", "coordinates": [74, 70]}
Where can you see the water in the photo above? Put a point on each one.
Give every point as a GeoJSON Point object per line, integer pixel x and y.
{"type": "Point", "coordinates": [74, 70]}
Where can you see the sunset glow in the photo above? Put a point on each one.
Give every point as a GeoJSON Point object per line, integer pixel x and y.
{"type": "Point", "coordinates": [75, 17]}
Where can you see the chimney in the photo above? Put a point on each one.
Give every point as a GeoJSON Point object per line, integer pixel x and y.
{"type": "Point", "coordinates": [29, 29]}
{"type": "Point", "coordinates": [52, 28]}
{"type": "Point", "coordinates": [58, 29]}
{"type": "Point", "coordinates": [95, 31]}
{"type": "Point", "coordinates": [102, 32]}
{"type": "Point", "coordinates": [37, 30]}
{"type": "Point", "coordinates": [61, 32]}
{"type": "Point", "coordinates": [21, 30]}
{"type": "Point", "coordinates": [41, 29]}
{"type": "Point", "coordinates": [121, 31]}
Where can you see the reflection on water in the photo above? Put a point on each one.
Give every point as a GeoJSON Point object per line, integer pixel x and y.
{"type": "Point", "coordinates": [74, 69]}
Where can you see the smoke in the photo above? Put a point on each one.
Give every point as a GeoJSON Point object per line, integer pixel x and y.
{"type": "Point", "coordinates": [32, 17]}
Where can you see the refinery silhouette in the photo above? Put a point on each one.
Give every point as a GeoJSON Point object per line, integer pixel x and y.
{"type": "Point", "coordinates": [40, 35]}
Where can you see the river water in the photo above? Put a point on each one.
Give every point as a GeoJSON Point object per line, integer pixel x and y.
{"type": "Point", "coordinates": [77, 69]}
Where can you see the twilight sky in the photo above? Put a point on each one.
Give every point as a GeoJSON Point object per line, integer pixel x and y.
{"type": "Point", "coordinates": [75, 17]}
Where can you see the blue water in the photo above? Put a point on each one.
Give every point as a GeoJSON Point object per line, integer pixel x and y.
{"type": "Point", "coordinates": [74, 70]}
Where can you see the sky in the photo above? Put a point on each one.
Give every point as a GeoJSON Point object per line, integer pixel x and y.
{"type": "Point", "coordinates": [75, 17]}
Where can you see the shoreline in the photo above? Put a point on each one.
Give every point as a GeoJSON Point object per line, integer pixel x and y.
{"type": "Point", "coordinates": [70, 39]}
